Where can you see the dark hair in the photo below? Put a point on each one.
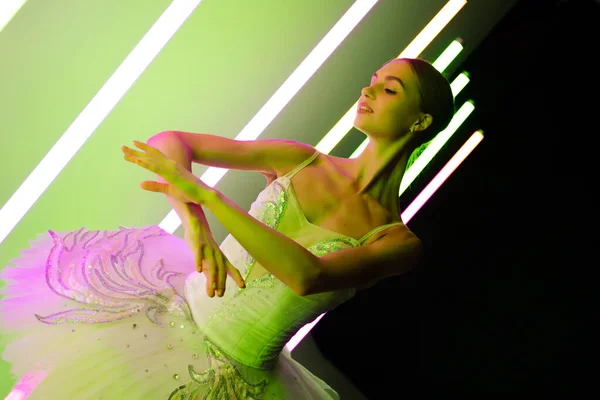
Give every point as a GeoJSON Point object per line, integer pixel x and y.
{"type": "Point", "coordinates": [436, 96]}
{"type": "Point", "coordinates": [436, 99]}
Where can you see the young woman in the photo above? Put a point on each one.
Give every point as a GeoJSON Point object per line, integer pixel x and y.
{"type": "Point", "coordinates": [133, 314]}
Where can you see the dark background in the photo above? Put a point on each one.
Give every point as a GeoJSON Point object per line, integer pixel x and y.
{"type": "Point", "coordinates": [485, 311]}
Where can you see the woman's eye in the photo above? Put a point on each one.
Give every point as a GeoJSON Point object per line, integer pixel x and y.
{"type": "Point", "coordinates": [390, 91]}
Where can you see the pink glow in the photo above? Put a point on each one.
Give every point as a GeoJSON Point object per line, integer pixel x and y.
{"type": "Point", "coordinates": [26, 385]}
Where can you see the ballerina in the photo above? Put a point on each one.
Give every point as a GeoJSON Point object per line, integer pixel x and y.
{"type": "Point", "coordinates": [134, 314]}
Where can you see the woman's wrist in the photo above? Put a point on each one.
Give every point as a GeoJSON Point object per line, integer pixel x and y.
{"type": "Point", "coordinates": [195, 217]}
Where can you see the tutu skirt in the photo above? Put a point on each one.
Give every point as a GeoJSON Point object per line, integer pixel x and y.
{"type": "Point", "coordinates": [104, 315]}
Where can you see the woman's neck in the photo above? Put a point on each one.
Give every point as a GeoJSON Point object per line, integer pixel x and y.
{"type": "Point", "coordinates": [378, 171]}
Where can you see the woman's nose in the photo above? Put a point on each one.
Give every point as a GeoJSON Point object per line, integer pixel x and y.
{"type": "Point", "coordinates": [366, 91]}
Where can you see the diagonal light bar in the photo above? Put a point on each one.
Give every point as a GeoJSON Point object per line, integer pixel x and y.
{"type": "Point", "coordinates": [286, 92]}
{"type": "Point", "coordinates": [457, 86]}
{"type": "Point", "coordinates": [436, 145]}
{"type": "Point", "coordinates": [433, 28]}
{"type": "Point", "coordinates": [459, 83]}
{"type": "Point", "coordinates": [411, 210]}
{"type": "Point", "coordinates": [449, 55]}
{"type": "Point", "coordinates": [94, 113]}
{"type": "Point", "coordinates": [439, 179]}
{"type": "Point", "coordinates": [8, 9]}
{"type": "Point", "coordinates": [302, 332]}
{"type": "Point", "coordinates": [416, 47]}
{"type": "Point", "coordinates": [26, 385]}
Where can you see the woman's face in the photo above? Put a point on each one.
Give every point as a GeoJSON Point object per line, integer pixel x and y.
{"type": "Point", "coordinates": [393, 95]}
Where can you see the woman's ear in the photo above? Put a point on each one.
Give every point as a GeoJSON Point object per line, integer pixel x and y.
{"type": "Point", "coordinates": [422, 123]}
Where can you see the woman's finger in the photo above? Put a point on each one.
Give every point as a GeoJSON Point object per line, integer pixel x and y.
{"type": "Point", "coordinates": [222, 272]}
{"type": "Point", "coordinates": [155, 155]}
{"type": "Point", "coordinates": [145, 163]}
{"type": "Point", "coordinates": [147, 148]}
{"type": "Point", "coordinates": [128, 151]}
{"type": "Point", "coordinates": [198, 258]}
{"type": "Point", "coordinates": [213, 273]}
{"type": "Point", "coordinates": [153, 186]}
{"type": "Point", "coordinates": [209, 288]}
{"type": "Point", "coordinates": [131, 152]}
{"type": "Point", "coordinates": [205, 272]}
{"type": "Point", "coordinates": [148, 159]}
{"type": "Point", "coordinates": [234, 273]}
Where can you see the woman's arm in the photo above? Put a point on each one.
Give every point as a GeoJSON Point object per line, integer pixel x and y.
{"type": "Point", "coordinates": [178, 151]}
{"type": "Point", "coordinates": [287, 260]}
{"type": "Point", "coordinates": [395, 253]}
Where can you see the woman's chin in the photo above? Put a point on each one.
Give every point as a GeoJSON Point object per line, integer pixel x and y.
{"type": "Point", "coordinates": [360, 125]}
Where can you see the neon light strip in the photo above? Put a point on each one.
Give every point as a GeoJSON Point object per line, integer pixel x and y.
{"type": "Point", "coordinates": [302, 332]}
{"type": "Point", "coordinates": [411, 210]}
{"type": "Point", "coordinates": [286, 92]}
{"type": "Point", "coordinates": [433, 28]}
{"type": "Point", "coordinates": [441, 177]}
{"type": "Point", "coordinates": [8, 9]}
{"type": "Point", "coordinates": [93, 114]}
{"type": "Point", "coordinates": [26, 385]}
{"type": "Point", "coordinates": [449, 55]}
{"type": "Point", "coordinates": [459, 83]}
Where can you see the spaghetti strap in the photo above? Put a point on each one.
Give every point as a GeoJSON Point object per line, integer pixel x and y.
{"type": "Point", "coordinates": [377, 230]}
{"type": "Point", "coordinates": [306, 162]}
{"type": "Point", "coordinates": [302, 165]}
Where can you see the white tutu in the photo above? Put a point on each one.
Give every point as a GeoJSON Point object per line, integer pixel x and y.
{"type": "Point", "coordinates": [105, 315]}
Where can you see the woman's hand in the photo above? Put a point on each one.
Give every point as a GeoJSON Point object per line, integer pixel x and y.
{"type": "Point", "coordinates": [181, 183]}
{"type": "Point", "coordinates": [210, 259]}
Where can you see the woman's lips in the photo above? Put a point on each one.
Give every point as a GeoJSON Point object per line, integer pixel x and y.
{"type": "Point", "coordinates": [363, 108]}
